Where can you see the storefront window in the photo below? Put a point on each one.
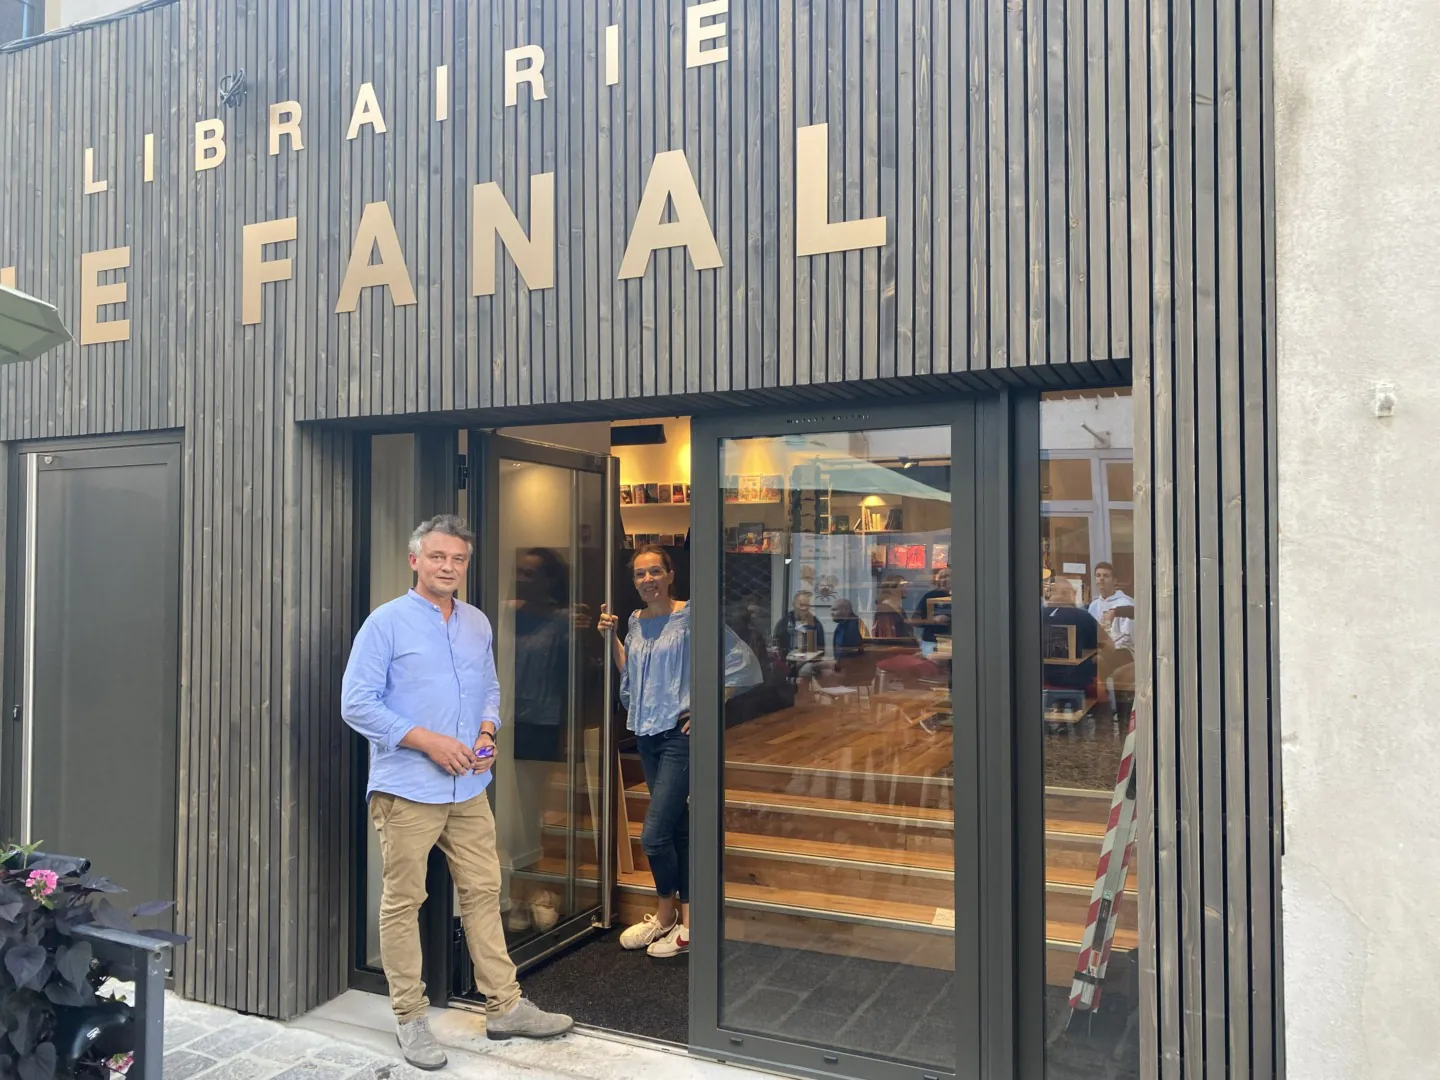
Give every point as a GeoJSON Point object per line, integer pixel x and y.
{"type": "Point", "coordinates": [1088, 648]}
{"type": "Point", "coordinates": [839, 826]}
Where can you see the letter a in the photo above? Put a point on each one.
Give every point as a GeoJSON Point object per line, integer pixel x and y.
{"type": "Point", "coordinates": [670, 182]}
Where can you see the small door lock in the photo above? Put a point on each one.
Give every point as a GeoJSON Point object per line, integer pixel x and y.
{"type": "Point", "coordinates": [15, 714]}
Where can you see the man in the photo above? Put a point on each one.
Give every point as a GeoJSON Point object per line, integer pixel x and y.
{"type": "Point", "coordinates": [941, 591]}
{"type": "Point", "coordinates": [1061, 610]}
{"type": "Point", "coordinates": [1121, 628]}
{"type": "Point", "coordinates": [421, 687]}
{"type": "Point", "coordinates": [1117, 644]}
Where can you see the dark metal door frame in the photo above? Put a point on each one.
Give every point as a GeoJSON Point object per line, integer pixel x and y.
{"type": "Point", "coordinates": [984, 570]}
{"type": "Point", "coordinates": [485, 452]}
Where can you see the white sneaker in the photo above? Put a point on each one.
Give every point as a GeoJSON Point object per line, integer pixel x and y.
{"type": "Point", "coordinates": [545, 910]}
{"type": "Point", "coordinates": [674, 943]}
{"type": "Point", "coordinates": [517, 919]}
{"type": "Point", "coordinates": [644, 933]}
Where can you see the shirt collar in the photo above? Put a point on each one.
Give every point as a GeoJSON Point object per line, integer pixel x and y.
{"type": "Point", "coordinates": [433, 607]}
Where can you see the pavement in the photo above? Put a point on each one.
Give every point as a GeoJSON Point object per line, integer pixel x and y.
{"type": "Point", "coordinates": [353, 1038]}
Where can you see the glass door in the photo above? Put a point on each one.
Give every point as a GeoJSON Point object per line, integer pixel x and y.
{"type": "Point", "coordinates": [838, 932]}
{"type": "Point", "coordinates": [545, 519]}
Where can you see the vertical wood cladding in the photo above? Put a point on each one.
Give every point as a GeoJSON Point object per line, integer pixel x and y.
{"type": "Point", "coordinates": [1063, 182]}
{"type": "Point", "coordinates": [1202, 326]}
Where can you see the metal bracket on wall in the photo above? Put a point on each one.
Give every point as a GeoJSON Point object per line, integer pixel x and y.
{"type": "Point", "coordinates": [462, 472]}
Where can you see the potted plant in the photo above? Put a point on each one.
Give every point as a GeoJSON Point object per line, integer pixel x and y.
{"type": "Point", "coordinates": [52, 1021]}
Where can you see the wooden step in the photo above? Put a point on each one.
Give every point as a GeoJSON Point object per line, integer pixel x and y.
{"type": "Point", "coordinates": [845, 785]}
{"type": "Point", "coordinates": [863, 873]}
{"type": "Point", "coordinates": [870, 929]}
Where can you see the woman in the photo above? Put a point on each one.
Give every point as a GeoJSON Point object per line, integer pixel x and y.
{"type": "Point", "coordinates": [654, 663]}
{"type": "Point", "coordinates": [850, 630]}
{"type": "Point", "coordinates": [890, 621]}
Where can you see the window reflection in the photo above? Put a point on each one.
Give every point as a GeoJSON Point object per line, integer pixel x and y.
{"type": "Point", "coordinates": [839, 824]}
{"type": "Point", "coordinates": [1088, 662]}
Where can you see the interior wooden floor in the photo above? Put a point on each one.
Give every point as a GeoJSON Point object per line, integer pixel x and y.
{"type": "Point", "coordinates": [839, 838]}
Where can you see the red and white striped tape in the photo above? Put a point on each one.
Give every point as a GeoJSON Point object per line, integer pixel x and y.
{"type": "Point", "coordinates": [1110, 876]}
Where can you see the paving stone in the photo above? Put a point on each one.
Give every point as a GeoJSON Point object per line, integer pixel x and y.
{"type": "Point", "coordinates": [180, 1032]}
{"type": "Point", "coordinates": [240, 1036]}
{"type": "Point", "coordinates": [182, 1064]}
{"type": "Point", "coordinates": [344, 1054]}
{"type": "Point", "coordinates": [388, 1070]}
{"type": "Point", "coordinates": [290, 1045]}
{"type": "Point", "coordinates": [313, 1070]}
{"type": "Point", "coordinates": [242, 1068]}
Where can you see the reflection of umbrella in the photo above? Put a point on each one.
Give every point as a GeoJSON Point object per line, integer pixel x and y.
{"type": "Point", "coordinates": [28, 327]}
{"type": "Point", "coordinates": [855, 474]}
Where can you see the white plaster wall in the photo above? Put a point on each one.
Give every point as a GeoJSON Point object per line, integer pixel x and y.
{"type": "Point", "coordinates": [1358, 278]}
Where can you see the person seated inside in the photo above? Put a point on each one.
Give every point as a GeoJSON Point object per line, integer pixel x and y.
{"type": "Point", "coordinates": [1115, 612]}
{"type": "Point", "coordinates": [848, 637]}
{"type": "Point", "coordinates": [890, 621]}
{"type": "Point", "coordinates": [799, 636]}
{"type": "Point", "coordinates": [1061, 611]}
{"type": "Point", "coordinates": [932, 630]}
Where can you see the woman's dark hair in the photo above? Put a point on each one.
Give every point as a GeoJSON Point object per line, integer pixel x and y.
{"type": "Point", "coordinates": [556, 573]}
{"type": "Point", "coordinates": [653, 549]}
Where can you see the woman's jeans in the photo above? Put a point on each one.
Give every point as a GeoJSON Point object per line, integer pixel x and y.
{"type": "Point", "coordinates": [666, 836]}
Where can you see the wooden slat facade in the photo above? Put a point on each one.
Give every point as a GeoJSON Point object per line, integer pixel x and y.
{"type": "Point", "coordinates": [1073, 192]}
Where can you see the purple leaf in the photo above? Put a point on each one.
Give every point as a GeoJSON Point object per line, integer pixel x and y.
{"type": "Point", "coordinates": [10, 912]}
{"type": "Point", "coordinates": [73, 963]}
{"type": "Point", "coordinates": [25, 963]}
{"type": "Point", "coordinates": [95, 883]}
{"type": "Point", "coordinates": [60, 994]}
{"type": "Point", "coordinates": [154, 907]}
{"type": "Point", "coordinates": [111, 917]}
{"type": "Point", "coordinates": [40, 1065]}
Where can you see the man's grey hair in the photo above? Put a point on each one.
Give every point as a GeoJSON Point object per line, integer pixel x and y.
{"type": "Point", "coordinates": [445, 525]}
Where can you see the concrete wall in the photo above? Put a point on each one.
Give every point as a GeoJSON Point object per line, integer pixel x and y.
{"type": "Point", "coordinates": [1358, 172]}
{"type": "Point", "coordinates": [67, 12]}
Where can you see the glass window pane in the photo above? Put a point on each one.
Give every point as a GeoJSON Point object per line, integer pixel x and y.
{"type": "Point", "coordinates": [1065, 549]}
{"type": "Point", "coordinates": [1065, 479]}
{"type": "Point", "coordinates": [1087, 643]}
{"type": "Point", "coordinates": [1120, 481]}
{"type": "Point", "coordinates": [549, 866]}
{"type": "Point", "coordinates": [839, 809]}
{"type": "Point", "coordinates": [1122, 548]}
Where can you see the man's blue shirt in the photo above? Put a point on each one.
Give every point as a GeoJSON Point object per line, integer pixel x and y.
{"type": "Point", "coordinates": [411, 667]}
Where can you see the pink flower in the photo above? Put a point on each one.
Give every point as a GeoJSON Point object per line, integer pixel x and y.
{"type": "Point", "coordinates": [41, 883]}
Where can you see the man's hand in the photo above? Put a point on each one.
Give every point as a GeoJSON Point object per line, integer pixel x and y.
{"type": "Point", "coordinates": [452, 755]}
{"type": "Point", "coordinates": [484, 764]}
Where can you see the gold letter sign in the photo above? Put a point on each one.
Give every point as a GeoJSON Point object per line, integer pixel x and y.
{"type": "Point", "coordinates": [697, 32]}
{"type": "Point", "coordinates": [367, 111]}
{"type": "Point", "coordinates": [94, 296]}
{"type": "Point", "coordinates": [209, 144]}
{"type": "Point", "coordinates": [815, 234]}
{"type": "Point", "coordinates": [285, 121]}
{"type": "Point", "coordinates": [377, 227]}
{"type": "Point", "coordinates": [670, 182]}
{"type": "Point", "coordinates": [534, 255]}
{"type": "Point", "coordinates": [255, 271]}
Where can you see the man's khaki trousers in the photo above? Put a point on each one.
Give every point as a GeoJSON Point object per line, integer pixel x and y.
{"type": "Point", "coordinates": [465, 832]}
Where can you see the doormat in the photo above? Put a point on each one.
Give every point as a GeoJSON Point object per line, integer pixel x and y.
{"type": "Point", "coordinates": [604, 986]}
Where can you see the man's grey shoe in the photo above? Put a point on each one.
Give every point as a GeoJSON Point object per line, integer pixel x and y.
{"type": "Point", "coordinates": [528, 1021]}
{"type": "Point", "coordinates": [419, 1045]}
